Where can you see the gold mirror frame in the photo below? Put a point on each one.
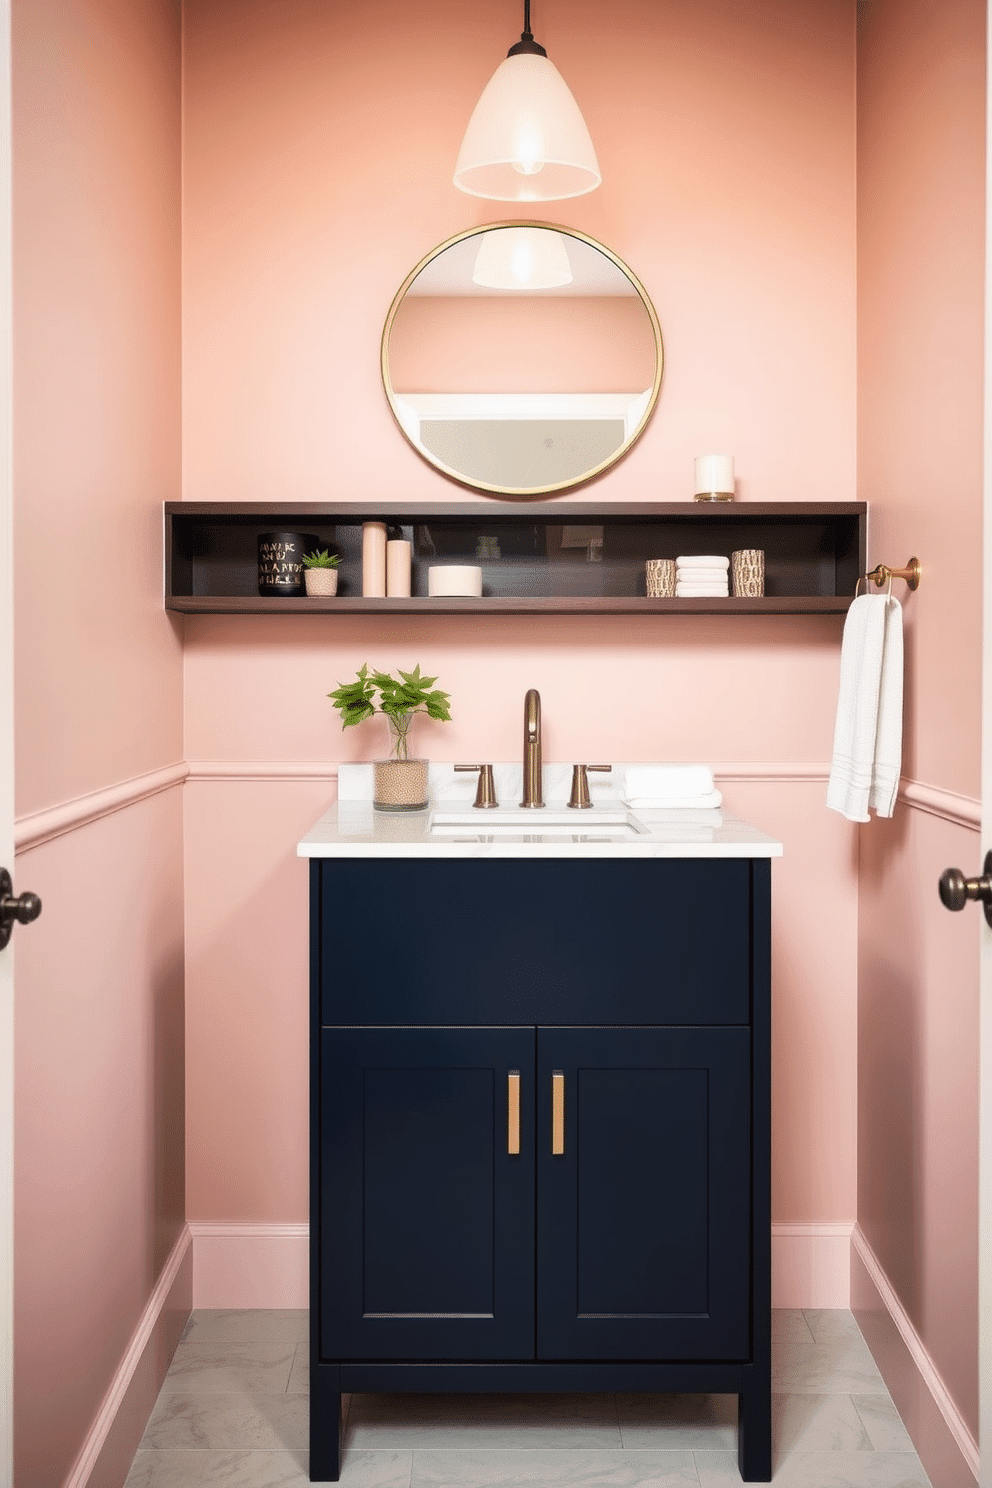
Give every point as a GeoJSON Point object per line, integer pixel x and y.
{"type": "Point", "coordinates": [521, 492]}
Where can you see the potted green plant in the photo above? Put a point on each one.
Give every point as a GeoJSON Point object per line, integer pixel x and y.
{"type": "Point", "coordinates": [320, 572]}
{"type": "Point", "coordinates": [400, 782]}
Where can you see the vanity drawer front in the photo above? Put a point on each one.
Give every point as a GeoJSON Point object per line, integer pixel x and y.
{"type": "Point", "coordinates": [511, 940]}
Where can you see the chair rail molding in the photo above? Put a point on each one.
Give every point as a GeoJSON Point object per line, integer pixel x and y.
{"type": "Point", "coordinates": [37, 827]}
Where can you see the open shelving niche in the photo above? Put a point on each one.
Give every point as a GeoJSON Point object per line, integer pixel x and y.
{"type": "Point", "coordinates": [550, 558]}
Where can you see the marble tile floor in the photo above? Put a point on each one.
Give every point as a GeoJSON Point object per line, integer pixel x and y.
{"type": "Point", "coordinates": [233, 1412]}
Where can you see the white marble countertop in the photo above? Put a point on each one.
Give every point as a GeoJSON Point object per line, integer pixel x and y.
{"type": "Point", "coordinates": [451, 828]}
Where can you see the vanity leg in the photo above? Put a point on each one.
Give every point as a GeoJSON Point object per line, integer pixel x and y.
{"type": "Point", "coordinates": [754, 1426]}
{"type": "Point", "coordinates": [325, 1424]}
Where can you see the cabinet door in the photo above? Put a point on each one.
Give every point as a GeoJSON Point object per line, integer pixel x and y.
{"type": "Point", "coordinates": [426, 1218]}
{"type": "Point", "coordinates": [643, 1220]}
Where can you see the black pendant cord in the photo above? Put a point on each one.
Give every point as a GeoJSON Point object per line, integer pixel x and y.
{"type": "Point", "coordinates": [527, 44]}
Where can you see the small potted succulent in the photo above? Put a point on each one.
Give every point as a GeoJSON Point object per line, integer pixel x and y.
{"type": "Point", "coordinates": [400, 782]}
{"type": "Point", "coordinates": [320, 572]}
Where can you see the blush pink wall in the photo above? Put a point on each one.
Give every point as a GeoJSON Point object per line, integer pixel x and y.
{"type": "Point", "coordinates": [96, 391]}
{"type": "Point", "coordinates": [921, 207]}
{"type": "Point", "coordinates": [320, 143]}
{"type": "Point", "coordinates": [99, 1054]}
{"type": "Point", "coordinates": [921, 232]}
{"type": "Point", "coordinates": [99, 1186]}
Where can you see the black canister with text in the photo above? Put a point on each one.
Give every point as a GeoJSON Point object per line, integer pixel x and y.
{"type": "Point", "coordinates": [280, 562]}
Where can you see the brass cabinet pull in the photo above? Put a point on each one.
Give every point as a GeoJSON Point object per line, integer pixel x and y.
{"type": "Point", "coordinates": [557, 1113]}
{"type": "Point", "coordinates": [513, 1113]}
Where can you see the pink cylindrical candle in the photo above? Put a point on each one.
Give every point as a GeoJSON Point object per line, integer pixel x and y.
{"type": "Point", "coordinates": [374, 560]}
{"type": "Point", "coordinates": [397, 568]}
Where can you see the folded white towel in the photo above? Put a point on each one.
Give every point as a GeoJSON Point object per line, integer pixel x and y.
{"type": "Point", "coordinates": [701, 575]}
{"type": "Point", "coordinates": [703, 560]}
{"type": "Point", "coordinates": [683, 781]}
{"type": "Point", "coordinates": [701, 591]}
{"type": "Point", "coordinates": [677, 803]}
{"type": "Point", "coordinates": [868, 733]}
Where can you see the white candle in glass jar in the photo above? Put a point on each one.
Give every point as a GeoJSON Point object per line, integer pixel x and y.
{"type": "Point", "coordinates": [713, 473]}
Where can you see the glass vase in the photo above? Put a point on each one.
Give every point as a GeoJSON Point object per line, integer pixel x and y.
{"type": "Point", "coordinates": [400, 783]}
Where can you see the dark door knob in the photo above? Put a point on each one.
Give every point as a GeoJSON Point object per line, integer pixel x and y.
{"type": "Point", "coordinates": [24, 908]}
{"type": "Point", "coordinates": [956, 890]}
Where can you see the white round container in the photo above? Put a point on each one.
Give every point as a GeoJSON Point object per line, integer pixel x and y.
{"type": "Point", "coordinates": [454, 579]}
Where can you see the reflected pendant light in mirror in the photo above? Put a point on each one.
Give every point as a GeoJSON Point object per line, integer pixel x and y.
{"type": "Point", "coordinates": [522, 258]}
{"type": "Point", "coordinates": [527, 140]}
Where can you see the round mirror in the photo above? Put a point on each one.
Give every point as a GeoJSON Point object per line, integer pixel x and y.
{"type": "Point", "coordinates": [521, 358]}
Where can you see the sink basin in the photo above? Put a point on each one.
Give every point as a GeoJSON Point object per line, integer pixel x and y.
{"type": "Point", "coordinates": [514, 821]}
{"type": "Point", "coordinates": [519, 834]}
{"type": "Point", "coordinates": [517, 816]}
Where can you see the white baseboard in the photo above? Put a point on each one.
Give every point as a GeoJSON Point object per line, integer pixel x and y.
{"type": "Point", "coordinates": [940, 1433]}
{"type": "Point", "coordinates": [113, 1437]}
{"type": "Point", "coordinates": [244, 1265]}
{"type": "Point", "coordinates": [251, 1265]}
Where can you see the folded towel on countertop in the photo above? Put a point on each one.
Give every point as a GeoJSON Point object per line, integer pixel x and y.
{"type": "Point", "coordinates": [708, 802]}
{"type": "Point", "coordinates": [703, 560]}
{"type": "Point", "coordinates": [868, 733]}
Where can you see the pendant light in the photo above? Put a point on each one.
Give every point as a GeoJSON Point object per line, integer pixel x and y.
{"type": "Point", "coordinates": [522, 258]}
{"type": "Point", "coordinates": [526, 140]}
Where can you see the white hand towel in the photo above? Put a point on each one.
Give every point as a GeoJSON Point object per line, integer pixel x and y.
{"type": "Point", "coordinates": [701, 575]}
{"type": "Point", "coordinates": [675, 780]}
{"type": "Point", "coordinates": [868, 733]}
{"type": "Point", "coordinates": [708, 802]}
{"type": "Point", "coordinates": [703, 560]}
{"type": "Point", "coordinates": [701, 591]}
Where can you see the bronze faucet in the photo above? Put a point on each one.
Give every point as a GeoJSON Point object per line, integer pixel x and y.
{"type": "Point", "coordinates": [532, 749]}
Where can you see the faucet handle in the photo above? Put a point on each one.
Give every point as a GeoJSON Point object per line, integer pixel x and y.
{"type": "Point", "coordinates": [485, 793]}
{"type": "Point", "coordinates": [579, 799]}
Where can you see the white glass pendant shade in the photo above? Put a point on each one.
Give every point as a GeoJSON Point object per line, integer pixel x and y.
{"type": "Point", "coordinates": [522, 258]}
{"type": "Point", "coordinates": [527, 140]}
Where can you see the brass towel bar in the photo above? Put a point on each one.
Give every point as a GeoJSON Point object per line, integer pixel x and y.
{"type": "Point", "coordinates": [883, 574]}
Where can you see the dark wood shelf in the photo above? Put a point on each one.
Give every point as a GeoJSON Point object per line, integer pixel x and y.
{"type": "Point", "coordinates": [814, 555]}
{"type": "Point", "coordinates": [513, 605]}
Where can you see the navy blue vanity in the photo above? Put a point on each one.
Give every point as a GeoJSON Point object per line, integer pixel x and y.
{"type": "Point", "coordinates": [540, 1127]}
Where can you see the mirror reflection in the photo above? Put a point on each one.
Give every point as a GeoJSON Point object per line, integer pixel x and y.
{"type": "Point", "coordinates": [521, 358]}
